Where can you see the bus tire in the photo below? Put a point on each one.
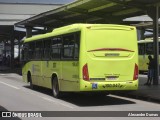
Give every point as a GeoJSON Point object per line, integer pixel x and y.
{"type": "Point", "coordinates": [55, 88]}
{"type": "Point", "coordinates": [30, 81]}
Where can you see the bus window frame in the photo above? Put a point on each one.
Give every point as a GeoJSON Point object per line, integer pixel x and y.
{"type": "Point", "coordinates": [75, 40]}
{"type": "Point", "coordinates": [146, 46]}
{"type": "Point", "coordinates": [144, 49]}
{"type": "Point", "coordinates": [32, 51]}
{"type": "Point", "coordinates": [24, 52]}
{"type": "Point", "coordinates": [32, 46]}
{"type": "Point", "coordinates": [44, 58]}
{"type": "Point", "coordinates": [60, 57]}
{"type": "Point", "coordinates": [39, 51]}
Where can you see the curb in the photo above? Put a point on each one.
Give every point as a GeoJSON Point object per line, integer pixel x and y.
{"type": "Point", "coordinates": [140, 97]}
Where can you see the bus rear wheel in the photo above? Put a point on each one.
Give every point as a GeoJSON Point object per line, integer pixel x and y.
{"type": "Point", "coordinates": [55, 88]}
{"type": "Point", "coordinates": [30, 80]}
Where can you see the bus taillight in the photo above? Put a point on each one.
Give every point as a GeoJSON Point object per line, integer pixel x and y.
{"type": "Point", "coordinates": [85, 72]}
{"type": "Point", "coordinates": [135, 76]}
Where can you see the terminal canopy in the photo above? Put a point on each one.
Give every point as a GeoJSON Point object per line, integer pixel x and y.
{"type": "Point", "coordinates": [90, 11]}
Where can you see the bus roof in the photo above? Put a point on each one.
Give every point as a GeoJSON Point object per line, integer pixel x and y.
{"type": "Point", "coordinates": [74, 28]}
{"type": "Point", "coordinates": [57, 31]}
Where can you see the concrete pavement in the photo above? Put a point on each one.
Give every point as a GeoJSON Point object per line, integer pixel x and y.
{"type": "Point", "coordinates": [145, 92]}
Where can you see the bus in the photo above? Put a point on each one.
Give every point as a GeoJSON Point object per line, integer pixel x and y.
{"type": "Point", "coordinates": [145, 48]}
{"type": "Point", "coordinates": [82, 58]}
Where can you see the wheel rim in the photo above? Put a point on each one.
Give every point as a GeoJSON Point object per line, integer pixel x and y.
{"type": "Point", "coordinates": [30, 79]}
{"type": "Point", "coordinates": [55, 88]}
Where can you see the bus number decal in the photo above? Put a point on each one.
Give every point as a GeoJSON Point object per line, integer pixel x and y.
{"type": "Point", "coordinates": [75, 64]}
{"type": "Point", "coordinates": [54, 65]}
{"type": "Point", "coordinates": [114, 85]}
{"type": "Point", "coordinates": [75, 76]}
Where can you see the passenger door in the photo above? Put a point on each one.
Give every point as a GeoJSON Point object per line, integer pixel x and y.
{"type": "Point", "coordinates": [46, 80]}
{"type": "Point", "coordinates": [70, 63]}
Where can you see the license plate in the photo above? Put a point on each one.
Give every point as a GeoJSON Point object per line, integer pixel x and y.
{"type": "Point", "coordinates": [111, 77]}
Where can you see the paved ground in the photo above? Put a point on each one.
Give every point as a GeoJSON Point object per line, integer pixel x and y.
{"type": "Point", "coordinates": [15, 95]}
{"type": "Point", "coordinates": [145, 92]}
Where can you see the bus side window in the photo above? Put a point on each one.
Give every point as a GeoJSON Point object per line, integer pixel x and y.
{"type": "Point", "coordinates": [77, 45]}
{"type": "Point", "coordinates": [149, 48]}
{"type": "Point", "coordinates": [31, 50]}
{"type": "Point", "coordinates": [56, 48]}
{"type": "Point", "coordinates": [47, 49]}
{"type": "Point", "coordinates": [25, 52]}
{"type": "Point", "coordinates": [38, 48]}
{"type": "Point", "coordinates": [68, 46]}
{"type": "Point", "coordinates": [141, 48]}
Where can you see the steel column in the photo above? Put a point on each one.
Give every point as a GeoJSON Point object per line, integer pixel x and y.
{"type": "Point", "coordinates": [12, 38]}
{"type": "Point", "coordinates": [156, 44]}
{"type": "Point", "coordinates": [153, 12]}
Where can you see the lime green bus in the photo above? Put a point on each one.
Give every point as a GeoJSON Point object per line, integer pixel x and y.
{"type": "Point", "coordinates": [145, 48]}
{"type": "Point", "coordinates": [83, 58]}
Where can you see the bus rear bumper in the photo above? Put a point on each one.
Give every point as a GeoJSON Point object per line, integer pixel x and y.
{"type": "Point", "coordinates": [108, 86]}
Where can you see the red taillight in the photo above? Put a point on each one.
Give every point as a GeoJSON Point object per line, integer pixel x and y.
{"type": "Point", "coordinates": [135, 76]}
{"type": "Point", "coordinates": [85, 72]}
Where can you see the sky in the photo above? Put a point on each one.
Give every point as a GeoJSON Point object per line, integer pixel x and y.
{"type": "Point", "coordinates": [38, 1]}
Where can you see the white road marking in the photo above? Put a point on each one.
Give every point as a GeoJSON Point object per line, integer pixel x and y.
{"type": "Point", "coordinates": [9, 85]}
{"type": "Point", "coordinates": [2, 74]}
{"type": "Point", "coordinates": [45, 98]}
{"type": "Point", "coordinates": [50, 99]}
{"type": "Point", "coordinates": [57, 102]}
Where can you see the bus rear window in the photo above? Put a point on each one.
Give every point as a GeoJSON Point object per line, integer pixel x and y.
{"type": "Point", "coordinates": [98, 39]}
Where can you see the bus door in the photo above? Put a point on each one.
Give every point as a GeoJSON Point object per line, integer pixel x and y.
{"type": "Point", "coordinates": [24, 58]}
{"type": "Point", "coordinates": [46, 63]}
{"type": "Point", "coordinates": [55, 64]}
{"type": "Point", "coordinates": [37, 64]}
{"type": "Point", "coordinates": [70, 63]}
